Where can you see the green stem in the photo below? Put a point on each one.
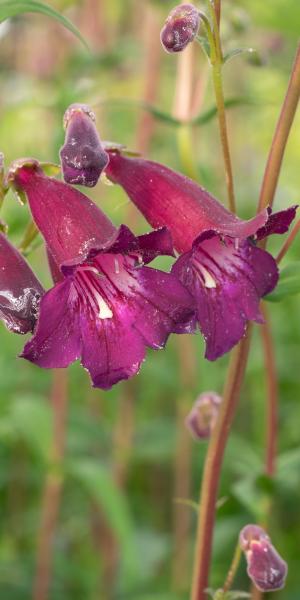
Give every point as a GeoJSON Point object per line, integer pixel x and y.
{"type": "Point", "coordinates": [233, 568]}
{"type": "Point", "coordinates": [185, 148]}
{"type": "Point", "coordinates": [30, 234]}
{"type": "Point", "coordinates": [213, 465]}
{"type": "Point", "coordinates": [280, 138]}
{"type": "Point", "coordinates": [218, 87]}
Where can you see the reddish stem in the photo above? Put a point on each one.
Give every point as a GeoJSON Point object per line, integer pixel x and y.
{"type": "Point", "coordinates": [213, 465]}
{"type": "Point", "coordinates": [53, 487]}
{"type": "Point", "coordinates": [288, 242]}
{"type": "Point", "coordinates": [281, 135]}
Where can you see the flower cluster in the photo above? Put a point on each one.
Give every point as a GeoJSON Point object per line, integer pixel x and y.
{"type": "Point", "coordinates": [107, 305]}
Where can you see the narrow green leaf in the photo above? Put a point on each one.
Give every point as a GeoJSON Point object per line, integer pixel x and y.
{"type": "Point", "coordinates": [95, 478]}
{"type": "Point", "coordinates": [238, 51]}
{"type": "Point", "coordinates": [12, 8]}
{"type": "Point", "coordinates": [288, 285]}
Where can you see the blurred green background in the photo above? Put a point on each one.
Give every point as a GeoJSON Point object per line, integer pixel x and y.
{"type": "Point", "coordinates": [114, 501]}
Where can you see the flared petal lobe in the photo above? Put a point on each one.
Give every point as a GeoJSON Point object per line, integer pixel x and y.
{"type": "Point", "coordinates": [20, 290]}
{"type": "Point", "coordinates": [106, 311]}
{"type": "Point", "coordinates": [83, 157]}
{"type": "Point", "coordinates": [227, 279]}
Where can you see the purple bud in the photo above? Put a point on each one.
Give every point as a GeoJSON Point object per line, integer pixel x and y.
{"type": "Point", "coordinates": [265, 566]}
{"type": "Point", "coordinates": [180, 28]}
{"type": "Point", "coordinates": [82, 156]}
{"type": "Point", "coordinates": [203, 416]}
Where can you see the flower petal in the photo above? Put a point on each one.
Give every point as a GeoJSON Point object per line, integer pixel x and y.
{"type": "Point", "coordinates": [278, 222]}
{"type": "Point", "coordinates": [111, 350]}
{"type": "Point", "coordinates": [227, 281]}
{"type": "Point", "coordinates": [56, 341]}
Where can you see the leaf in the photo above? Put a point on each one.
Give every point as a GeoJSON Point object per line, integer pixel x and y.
{"type": "Point", "coordinates": [168, 119]}
{"type": "Point", "coordinates": [12, 8]}
{"type": "Point", "coordinates": [288, 285]}
{"type": "Point", "coordinates": [251, 52]}
{"type": "Point", "coordinates": [95, 478]}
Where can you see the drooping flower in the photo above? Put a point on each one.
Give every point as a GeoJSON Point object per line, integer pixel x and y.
{"type": "Point", "coordinates": [83, 157]}
{"type": "Point", "coordinates": [203, 415]}
{"type": "Point", "coordinates": [220, 263]}
{"type": "Point", "coordinates": [180, 28]}
{"type": "Point", "coordinates": [20, 290]}
{"type": "Point", "coordinates": [108, 305]}
{"type": "Point", "coordinates": [265, 566]}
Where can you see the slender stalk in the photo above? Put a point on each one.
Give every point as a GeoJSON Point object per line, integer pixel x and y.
{"type": "Point", "coordinates": [233, 568]}
{"type": "Point", "coordinates": [53, 487]}
{"type": "Point", "coordinates": [272, 393]}
{"type": "Point", "coordinates": [288, 242]}
{"type": "Point", "coordinates": [213, 464]}
{"type": "Point", "coordinates": [217, 4]}
{"type": "Point", "coordinates": [281, 135]}
{"type": "Point", "coordinates": [218, 87]}
{"type": "Point", "coordinates": [30, 234]}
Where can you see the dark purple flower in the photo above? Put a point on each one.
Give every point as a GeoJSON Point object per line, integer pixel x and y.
{"type": "Point", "coordinates": [220, 264]}
{"type": "Point", "coordinates": [265, 566]}
{"type": "Point", "coordinates": [108, 306]}
{"type": "Point", "coordinates": [82, 156]}
{"type": "Point", "coordinates": [180, 28]}
{"type": "Point", "coordinates": [203, 416]}
{"type": "Point", "coordinates": [20, 291]}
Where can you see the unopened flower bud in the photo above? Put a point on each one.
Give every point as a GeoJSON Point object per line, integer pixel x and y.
{"type": "Point", "coordinates": [82, 156]}
{"type": "Point", "coordinates": [203, 416]}
{"type": "Point", "coordinates": [180, 28]}
{"type": "Point", "coordinates": [265, 566]}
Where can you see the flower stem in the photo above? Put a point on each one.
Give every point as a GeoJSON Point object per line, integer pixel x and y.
{"type": "Point", "coordinates": [288, 242]}
{"type": "Point", "coordinates": [280, 138]}
{"type": "Point", "coordinates": [30, 234]}
{"type": "Point", "coordinates": [53, 487]}
{"type": "Point", "coordinates": [233, 568]}
{"type": "Point", "coordinates": [218, 87]}
{"type": "Point", "coordinates": [213, 464]}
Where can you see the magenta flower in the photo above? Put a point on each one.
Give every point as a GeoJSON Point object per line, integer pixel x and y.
{"type": "Point", "coordinates": [265, 566]}
{"type": "Point", "coordinates": [180, 28]}
{"type": "Point", "coordinates": [82, 156]}
{"type": "Point", "coordinates": [220, 264]}
{"type": "Point", "coordinates": [108, 306]}
{"type": "Point", "coordinates": [20, 291]}
{"type": "Point", "coordinates": [203, 415]}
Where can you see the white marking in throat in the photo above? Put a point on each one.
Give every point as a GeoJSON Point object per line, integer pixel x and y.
{"type": "Point", "coordinates": [117, 266]}
{"type": "Point", "coordinates": [104, 310]}
{"type": "Point", "coordinates": [209, 281]}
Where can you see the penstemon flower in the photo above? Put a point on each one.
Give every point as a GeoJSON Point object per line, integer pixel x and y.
{"type": "Point", "coordinates": [219, 263]}
{"type": "Point", "coordinates": [265, 566]}
{"type": "Point", "coordinates": [108, 306]}
{"type": "Point", "coordinates": [82, 155]}
{"type": "Point", "coordinates": [20, 291]}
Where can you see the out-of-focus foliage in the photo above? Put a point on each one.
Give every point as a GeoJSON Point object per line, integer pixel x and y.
{"type": "Point", "coordinates": [125, 530]}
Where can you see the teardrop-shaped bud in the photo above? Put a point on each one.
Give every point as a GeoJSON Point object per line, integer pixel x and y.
{"type": "Point", "coordinates": [180, 28]}
{"type": "Point", "coordinates": [203, 415]}
{"type": "Point", "coordinates": [265, 566]}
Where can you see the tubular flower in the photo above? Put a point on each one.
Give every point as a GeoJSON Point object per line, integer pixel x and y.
{"type": "Point", "coordinates": [265, 566]}
{"type": "Point", "coordinates": [180, 28]}
{"type": "Point", "coordinates": [20, 291]}
{"type": "Point", "coordinates": [82, 156]}
{"type": "Point", "coordinates": [219, 263]}
{"type": "Point", "coordinates": [108, 306]}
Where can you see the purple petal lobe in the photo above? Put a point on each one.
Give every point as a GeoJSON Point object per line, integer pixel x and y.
{"type": "Point", "coordinates": [56, 342]}
{"type": "Point", "coordinates": [278, 222]}
{"type": "Point", "coordinates": [227, 278]}
{"type": "Point", "coordinates": [20, 291]}
{"type": "Point", "coordinates": [107, 311]}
